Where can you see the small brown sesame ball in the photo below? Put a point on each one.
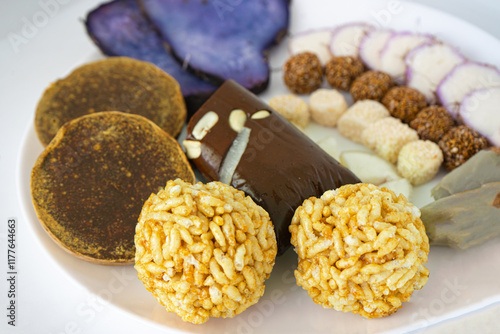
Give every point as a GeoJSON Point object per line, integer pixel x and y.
{"type": "Point", "coordinates": [404, 102]}
{"type": "Point", "coordinates": [340, 72]}
{"type": "Point", "coordinates": [371, 85]}
{"type": "Point", "coordinates": [432, 123]}
{"type": "Point", "coordinates": [459, 145]}
{"type": "Point", "coordinates": [303, 73]}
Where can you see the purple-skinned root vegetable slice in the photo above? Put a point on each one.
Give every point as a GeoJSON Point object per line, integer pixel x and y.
{"type": "Point", "coordinates": [370, 47]}
{"type": "Point", "coordinates": [119, 28]}
{"type": "Point", "coordinates": [347, 37]}
{"type": "Point", "coordinates": [218, 40]}
{"type": "Point", "coordinates": [428, 64]}
{"type": "Point", "coordinates": [316, 41]}
{"type": "Point", "coordinates": [462, 80]}
{"type": "Point", "coordinates": [394, 51]}
{"type": "Point", "coordinates": [480, 111]}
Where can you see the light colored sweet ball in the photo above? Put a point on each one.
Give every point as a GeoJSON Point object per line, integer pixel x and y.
{"type": "Point", "coordinates": [361, 249]}
{"type": "Point", "coordinates": [204, 250]}
{"type": "Point", "coordinates": [293, 108]}
{"type": "Point", "coordinates": [387, 136]}
{"type": "Point", "coordinates": [419, 161]}
{"type": "Point", "coordinates": [358, 116]}
{"type": "Point", "coordinates": [326, 106]}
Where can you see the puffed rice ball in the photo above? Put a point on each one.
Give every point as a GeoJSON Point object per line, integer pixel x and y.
{"type": "Point", "coordinates": [361, 249]}
{"type": "Point", "coordinates": [204, 250]}
{"type": "Point", "coordinates": [387, 136]}
{"type": "Point", "coordinates": [326, 106]}
{"type": "Point", "coordinates": [358, 116]}
{"type": "Point", "coordinates": [419, 161]}
{"type": "Point", "coordinates": [293, 108]}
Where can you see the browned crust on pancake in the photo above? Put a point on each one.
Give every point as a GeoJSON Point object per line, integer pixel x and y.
{"type": "Point", "coordinates": [116, 83]}
{"type": "Point", "coordinates": [90, 183]}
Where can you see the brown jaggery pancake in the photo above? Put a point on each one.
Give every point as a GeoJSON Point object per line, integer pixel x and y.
{"type": "Point", "coordinates": [90, 183]}
{"type": "Point", "coordinates": [116, 83]}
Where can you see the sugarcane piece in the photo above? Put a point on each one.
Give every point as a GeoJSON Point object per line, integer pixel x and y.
{"type": "Point", "coordinates": [465, 219]}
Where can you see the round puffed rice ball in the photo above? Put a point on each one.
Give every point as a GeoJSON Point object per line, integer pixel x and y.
{"type": "Point", "coordinates": [387, 136]}
{"type": "Point", "coordinates": [358, 116]}
{"type": "Point", "coordinates": [361, 249]}
{"type": "Point", "coordinates": [326, 106]}
{"type": "Point", "coordinates": [419, 161]}
{"type": "Point", "coordinates": [293, 108]}
{"type": "Point", "coordinates": [204, 250]}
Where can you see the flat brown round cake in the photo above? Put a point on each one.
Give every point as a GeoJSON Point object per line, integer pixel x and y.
{"type": "Point", "coordinates": [89, 185]}
{"type": "Point", "coordinates": [116, 83]}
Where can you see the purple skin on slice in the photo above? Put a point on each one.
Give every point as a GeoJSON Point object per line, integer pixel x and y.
{"type": "Point", "coordinates": [221, 40]}
{"type": "Point", "coordinates": [370, 47]}
{"type": "Point", "coordinates": [428, 64]}
{"type": "Point", "coordinates": [316, 41]}
{"type": "Point", "coordinates": [393, 54]}
{"type": "Point", "coordinates": [462, 80]}
{"type": "Point", "coordinates": [119, 28]}
{"type": "Point", "coordinates": [480, 111]}
{"type": "Point", "coordinates": [346, 39]}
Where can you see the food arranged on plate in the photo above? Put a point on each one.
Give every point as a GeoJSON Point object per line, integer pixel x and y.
{"type": "Point", "coordinates": [117, 83]}
{"type": "Point", "coordinates": [204, 250]}
{"type": "Point", "coordinates": [201, 53]}
{"type": "Point", "coordinates": [90, 182]}
{"type": "Point", "coordinates": [114, 185]}
{"type": "Point", "coordinates": [237, 139]}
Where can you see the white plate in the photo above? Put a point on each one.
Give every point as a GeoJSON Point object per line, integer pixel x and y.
{"type": "Point", "coordinates": [459, 282]}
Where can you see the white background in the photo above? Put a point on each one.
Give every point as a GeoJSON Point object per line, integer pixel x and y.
{"type": "Point", "coordinates": [48, 301]}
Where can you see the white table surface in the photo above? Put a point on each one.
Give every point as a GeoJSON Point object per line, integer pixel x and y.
{"type": "Point", "coordinates": [48, 301]}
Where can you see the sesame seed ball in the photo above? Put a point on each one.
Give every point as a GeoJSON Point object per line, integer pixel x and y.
{"type": "Point", "coordinates": [371, 85]}
{"type": "Point", "coordinates": [404, 102]}
{"type": "Point", "coordinates": [340, 72]}
{"type": "Point", "coordinates": [432, 123]}
{"type": "Point", "coordinates": [459, 145]}
{"type": "Point", "coordinates": [303, 73]}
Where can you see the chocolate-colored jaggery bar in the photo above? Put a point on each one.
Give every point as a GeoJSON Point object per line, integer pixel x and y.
{"type": "Point", "coordinates": [237, 139]}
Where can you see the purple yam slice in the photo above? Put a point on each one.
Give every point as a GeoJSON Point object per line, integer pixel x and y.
{"type": "Point", "coordinates": [371, 45]}
{"type": "Point", "coordinates": [119, 28]}
{"type": "Point", "coordinates": [428, 64]}
{"type": "Point", "coordinates": [221, 40]}
{"type": "Point", "coordinates": [393, 54]}
{"type": "Point", "coordinates": [462, 80]}
{"type": "Point", "coordinates": [315, 41]}
{"type": "Point", "coordinates": [347, 37]}
{"type": "Point", "coordinates": [479, 110]}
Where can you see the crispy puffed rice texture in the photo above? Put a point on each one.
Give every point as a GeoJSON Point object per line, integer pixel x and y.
{"type": "Point", "coordinates": [361, 249]}
{"type": "Point", "coordinates": [204, 250]}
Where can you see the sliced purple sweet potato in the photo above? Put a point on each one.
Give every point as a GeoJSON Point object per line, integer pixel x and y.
{"type": "Point", "coordinates": [119, 28]}
{"type": "Point", "coordinates": [393, 54]}
{"type": "Point", "coordinates": [315, 41]}
{"type": "Point", "coordinates": [480, 111]}
{"type": "Point", "coordinates": [428, 64]}
{"type": "Point", "coordinates": [220, 40]}
{"type": "Point", "coordinates": [371, 45]}
{"type": "Point", "coordinates": [347, 37]}
{"type": "Point", "coordinates": [462, 80]}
